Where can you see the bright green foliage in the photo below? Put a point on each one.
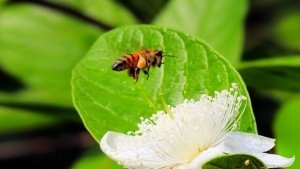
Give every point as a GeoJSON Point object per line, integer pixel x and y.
{"type": "Point", "coordinates": [275, 73]}
{"type": "Point", "coordinates": [287, 130]}
{"type": "Point", "coordinates": [94, 160]}
{"type": "Point", "coordinates": [287, 30]}
{"type": "Point", "coordinates": [108, 11]}
{"type": "Point", "coordinates": [238, 161]}
{"type": "Point", "coordinates": [109, 100]}
{"type": "Point", "coordinates": [40, 47]}
{"type": "Point", "coordinates": [13, 119]}
{"type": "Point", "coordinates": [2, 2]}
{"type": "Point", "coordinates": [218, 22]}
{"type": "Point", "coordinates": [145, 10]}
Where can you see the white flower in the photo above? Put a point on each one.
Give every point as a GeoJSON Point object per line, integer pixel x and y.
{"type": "Point", "coordinates": [200, 130]}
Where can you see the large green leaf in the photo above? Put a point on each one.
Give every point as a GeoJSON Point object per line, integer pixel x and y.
{"type": "Point", "coordinates": [275, 73]}
{"type": "Point", "coordinates": [238, 161]}
{"type": "Point", "coordinates": [218, 22]}
{"type": "Point", "coordinates": [40, 47]}
{"type": "Point", "coordinates": [107, 11]}
{"type": "Point", "coordinates": [109, 100]}
{"type": "Point", "coordinates": [12, 119]}
{"type": "Point", "coordinates": [287, 130]}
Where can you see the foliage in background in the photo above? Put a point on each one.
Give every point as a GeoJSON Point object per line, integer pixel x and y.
{"type": "Point", "coordinates": [286, 128]}
{"type": "Point", "coordinates": [14, 119]}
{"type": "Point", "coordinates": [287, 30]}
{"type": "Point", "coordinates": [271, 74]}
{"type": "Point", "coordinates": [40, 62]}
{"type": "Point", "coordinates": [107, 11]}
{"type": "Point", "coordinates": [218, 22]}
{"type": "Point", "coordinates": [93, 159]}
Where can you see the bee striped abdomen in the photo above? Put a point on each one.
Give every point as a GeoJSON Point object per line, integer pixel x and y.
{"type": "Point", "coordinates": [120, 64]}
{"type": "Point", "coordinates": [131, 60]}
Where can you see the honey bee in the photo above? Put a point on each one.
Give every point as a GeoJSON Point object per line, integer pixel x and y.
{"type": "Point", "coordinates": [139, 61]}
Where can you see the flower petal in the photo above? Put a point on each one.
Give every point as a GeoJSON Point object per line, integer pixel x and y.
{"type": "Point", "coordinates": [131, 152]}
{"type": "Point", "coordinates": [252, 144]}
{"type": "Point", "coordinates": [240, 142]}
{"type": "Point", "coordinates": [207, 155]}
{"type": "Point", "coordinates": [274, 161]}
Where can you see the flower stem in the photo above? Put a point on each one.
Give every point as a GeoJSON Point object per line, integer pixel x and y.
{"type": "Point", "coordinates": [167, 109]}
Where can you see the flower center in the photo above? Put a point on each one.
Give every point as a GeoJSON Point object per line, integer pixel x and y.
{"type": "Point", "coordinates": [195, 154]}
{"type": "Point", "coordinates": [195, 127]}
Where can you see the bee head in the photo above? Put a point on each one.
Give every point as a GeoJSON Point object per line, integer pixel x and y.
{"type": "Point", "coordinates": [158, 53]}
{"type": "Point", "coordinates": [158, 57]}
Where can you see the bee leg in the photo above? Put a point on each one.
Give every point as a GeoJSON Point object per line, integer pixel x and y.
{"type": "Point", "coordinates": [131, 73]}
{"type": "Point", "coordinates": [147, 72]}
{"type": "Point", "coordinates": [136, 74]}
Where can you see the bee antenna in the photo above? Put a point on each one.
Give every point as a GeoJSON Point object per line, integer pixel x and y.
{"type": "Point", "coordinates": [170, 56]}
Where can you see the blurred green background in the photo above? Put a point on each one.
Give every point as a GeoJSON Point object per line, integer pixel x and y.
{"type": "Point", "coordinates": [42, 40]}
